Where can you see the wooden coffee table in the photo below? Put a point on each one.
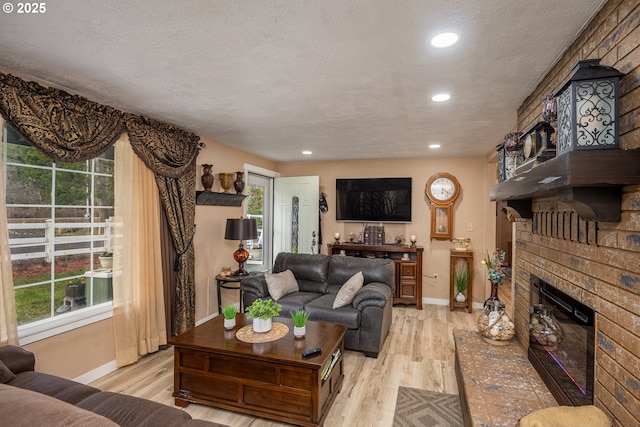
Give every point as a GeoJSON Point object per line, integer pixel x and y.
{"type": "Point", "coordinates": [270, 380]}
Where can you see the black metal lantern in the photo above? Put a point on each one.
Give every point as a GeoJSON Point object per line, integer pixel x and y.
{"type": "Point", "coordinates": [588, 108]}
{"type": "Point", "coordinates": [501, 162]}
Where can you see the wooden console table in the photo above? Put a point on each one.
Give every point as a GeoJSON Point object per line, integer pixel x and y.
{"type": "Point", "coordinates": [408, 270]}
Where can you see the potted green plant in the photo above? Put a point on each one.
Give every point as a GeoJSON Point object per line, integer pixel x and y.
{"type": "Point", "coordinates": [106, 259]}
{"type": "Point", "coordinates": [461, 279]}
{"type": "Point", "coordinates": [300, 318]}
{"type": "Point", "coordinates": [261, 311]}
{"type": "Point", "coordinates": [229, 312]}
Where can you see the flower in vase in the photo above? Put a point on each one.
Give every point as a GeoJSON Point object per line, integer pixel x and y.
{"type": "Point", "coordinates": [493, 263]}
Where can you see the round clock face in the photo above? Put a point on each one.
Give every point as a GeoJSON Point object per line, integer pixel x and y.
{"type": "Point", "coordinates": [528, 146]}
{"type": "Point", "coordinates": [442, 188]}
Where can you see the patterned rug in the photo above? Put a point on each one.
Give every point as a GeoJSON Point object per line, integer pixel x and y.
{"type": "Point", "coordinates": [422, 408]}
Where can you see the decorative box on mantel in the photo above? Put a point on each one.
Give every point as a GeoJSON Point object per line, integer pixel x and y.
{"type": "Point", "coordinates": [218, 199]}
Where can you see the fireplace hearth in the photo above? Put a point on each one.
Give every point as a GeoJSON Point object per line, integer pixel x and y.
{"type": "Point", "coordinates": [561, 343]}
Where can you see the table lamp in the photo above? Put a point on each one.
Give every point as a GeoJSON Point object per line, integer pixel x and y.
{"type": "Point", "coordinates": [241, 229]}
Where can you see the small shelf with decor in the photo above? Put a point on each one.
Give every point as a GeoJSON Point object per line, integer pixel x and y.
{"type": "Point", "coordinates": [218, 199]}
{"type": "Point", "coordinates": [407, 262]}
{"type": "Point", "coordinates": [459, 261]}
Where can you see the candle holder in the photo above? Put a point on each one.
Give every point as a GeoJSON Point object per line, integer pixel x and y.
{"type": "Point", "coordinates": [413, 240]}
{"type": "Point", "coordinates": [337, 238]}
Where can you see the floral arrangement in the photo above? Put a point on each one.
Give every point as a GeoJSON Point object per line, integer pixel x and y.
{"type": "Point", "coordinates": [493, 263]}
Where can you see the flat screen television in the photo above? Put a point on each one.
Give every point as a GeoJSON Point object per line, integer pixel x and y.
{"type": "Point", "coordinates": [373, 199]}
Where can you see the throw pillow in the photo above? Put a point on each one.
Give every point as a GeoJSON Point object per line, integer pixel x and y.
{"type": "Point", "coordinates": [5, 373]}
{"type": "Point", "coordinates": [348, 291]}
{"type": "Point", "coordinates": [566, 416]}
{"type": "Point", "coordinates": [281, 284]}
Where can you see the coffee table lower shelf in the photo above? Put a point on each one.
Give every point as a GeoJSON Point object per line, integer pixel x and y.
{"type": "Point", "coordinates": [264, 385]}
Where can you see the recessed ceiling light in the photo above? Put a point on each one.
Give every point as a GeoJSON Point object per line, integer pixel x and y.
{"type": "Point", "coordinates": [440, 97]}
{"type": "Point", "coordinates": [307, 152]}
{"type": "Point", "coordinates": [434, 145]}
{"type": "Point", "coordinates": [444, 39]}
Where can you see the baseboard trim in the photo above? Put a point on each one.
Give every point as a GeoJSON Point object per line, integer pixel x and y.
{"type": "Point", "coordinates": [438, 301]}
{"type": "Point", "coordinates": [97, 373]}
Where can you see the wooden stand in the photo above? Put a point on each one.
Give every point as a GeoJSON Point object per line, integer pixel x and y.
{"type": "Point", "coordinates": [455, 258]}
{"type": "Point", "coordinates": [408, 271]}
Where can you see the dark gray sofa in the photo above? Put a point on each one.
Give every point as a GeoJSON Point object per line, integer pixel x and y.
{"type": "Point", "coordinates": [319, 278]}
{"type": "Point", "coordinates": [29, 398]}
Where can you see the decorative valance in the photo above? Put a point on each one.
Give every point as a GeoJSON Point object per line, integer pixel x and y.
{"type": "Point", "coordinates": [166, 150]}
{"type": "Point", "coordinates": [67, 128]}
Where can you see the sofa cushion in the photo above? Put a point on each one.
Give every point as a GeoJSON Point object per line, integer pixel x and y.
{"type": "Point", "coordinates": [341, 268]}
{"type": "Point", "coordinates": [321, 309]}
{"type": "Point", "coordinates": [51, 385]}
{"type": "Point", "coordinates": [5, 373]}
{"type": "Point", "coordinates": [130, 411]}
{"type": "Point", "coordinates": [348, 290]}
{"type": "Point", "coordinates": [296, 301]}
{"type": "Point", "coordinates": [17, 359]}
{"type": "Point", "coordinates": [281, 284]}
{"type": "Point", "coordinates": [308, 268]}
{"type": "Point", "coordinates": [26, 408]}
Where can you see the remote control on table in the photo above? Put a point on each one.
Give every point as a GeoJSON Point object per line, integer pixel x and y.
{"type": "Point", "coordinates": [311, 352]}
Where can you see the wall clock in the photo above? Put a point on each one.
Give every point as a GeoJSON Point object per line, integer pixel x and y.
{"type": "Point", "coordinates": [442, 190]}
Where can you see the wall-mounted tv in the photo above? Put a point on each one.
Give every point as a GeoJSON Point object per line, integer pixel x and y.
{"type": "Point", "coordinates": [373, 199]}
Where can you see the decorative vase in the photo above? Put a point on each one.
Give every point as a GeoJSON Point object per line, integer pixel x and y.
{"type": "Point", "coordinates": [494, 324]}
{"type": "Point", "coordinates": [261, 325]}
{"type": "Point", "coordinates": [207, 177]}
{"type": "Point", "coordinates": [230, 323]}
{"type": "Point", "coordinates": [299, 331]}
{"type": "Point", "coordinates": [460, 297]}
{"type": "Point", "coordinates": [238, 184]}
{"type": "Point", "coordinates": [544, 328]}
{"type": "Point", "coordinates": [226, 179]}
{"type": "Point", "coordinates": [494, 293]}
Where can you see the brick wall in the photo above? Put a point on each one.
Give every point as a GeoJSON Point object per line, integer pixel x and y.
{"type": "Point", "coordinates": [597, 263]}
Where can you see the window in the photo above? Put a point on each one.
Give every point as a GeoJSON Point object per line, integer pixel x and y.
{"type": "Point", "coordinates": [59, 222]}
{"type": "Point", "coordinates": [258, 205]}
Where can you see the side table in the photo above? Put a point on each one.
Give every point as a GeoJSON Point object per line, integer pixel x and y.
{"type": "Point", "coordinates": [229, 282]}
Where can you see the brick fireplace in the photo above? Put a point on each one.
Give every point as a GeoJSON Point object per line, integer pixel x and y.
{"type": "Point", "coordinates": [601, 269]}
{"type": "Point", "coordinates": [595, 262]}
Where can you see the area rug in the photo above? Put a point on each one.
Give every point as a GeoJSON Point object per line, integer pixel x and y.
{"type": "Point", "coordinates": [422, 408]}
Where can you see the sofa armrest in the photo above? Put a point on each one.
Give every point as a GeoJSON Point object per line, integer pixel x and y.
{"type": "Point", "coordinates": [373, 294]}
{"type": "Point", "coordinates": [255, 285]}
{"type": "Point", "coordinates": [17, 359]}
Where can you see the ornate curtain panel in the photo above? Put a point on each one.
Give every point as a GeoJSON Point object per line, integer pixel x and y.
{"type": "Point", "coordinates": [171, 154]}
{"type": "Point", "coordinates": [8, 326]}
{"type": "Point", "coordinates": [70, 128]}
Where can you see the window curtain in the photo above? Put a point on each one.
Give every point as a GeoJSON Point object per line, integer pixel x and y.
{"type": "Point", "coordinates": [138, 295]}
{"type": "Point", "coordinates": [8, 326]}
{"type": "Point", "coordinates": [71, 128]}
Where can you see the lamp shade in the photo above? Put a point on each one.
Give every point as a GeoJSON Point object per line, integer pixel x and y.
{"type": "Point", "coordinates": [241, 229]}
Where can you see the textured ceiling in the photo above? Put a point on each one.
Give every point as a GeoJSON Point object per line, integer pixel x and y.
{"type": "Point", "coordinates": [347, 79]}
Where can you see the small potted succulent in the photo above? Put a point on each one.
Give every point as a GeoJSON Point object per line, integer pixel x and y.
{"type": "Point", "coordinates": [106, 259]}
{"type": "Point", "coordinates": [300, 318]}
{"type": "Point", "coordinates": [229, 312]}
{"type": "Point", "coordinates": [261, 311]}
{"type": "Point", "coordinates": [461, 279]}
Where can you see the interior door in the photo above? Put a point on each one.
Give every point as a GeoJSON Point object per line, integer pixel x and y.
{"type": "Point", "coordinates": [295, 214]}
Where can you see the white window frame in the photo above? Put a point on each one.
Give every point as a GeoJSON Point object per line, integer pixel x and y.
{"type": "Point", "coordinates": [51, 326]}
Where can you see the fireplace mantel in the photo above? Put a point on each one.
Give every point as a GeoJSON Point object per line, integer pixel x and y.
{"type": "Point", "coordinates": [588, 181]}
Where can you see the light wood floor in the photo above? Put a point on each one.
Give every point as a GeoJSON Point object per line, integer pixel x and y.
{"type": "Point", "coordinates": [418, 353]}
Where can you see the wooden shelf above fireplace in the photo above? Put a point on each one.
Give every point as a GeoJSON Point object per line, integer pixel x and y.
{"type": "Point", "coordinates": [588, 181]}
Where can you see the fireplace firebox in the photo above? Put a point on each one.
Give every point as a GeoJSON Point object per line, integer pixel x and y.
{"type": "Point", "coordinates": [561, 343]}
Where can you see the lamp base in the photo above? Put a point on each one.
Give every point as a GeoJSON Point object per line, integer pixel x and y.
{"type": "Point", "coordinates": [241, 256]}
